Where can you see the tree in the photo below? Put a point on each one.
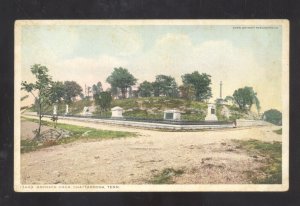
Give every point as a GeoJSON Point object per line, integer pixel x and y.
{"type": "Point", "coordinates": [72, 90]}
{"type": "Point", "coordinates": [273, 116]}
{"type": "Point", "coordinates": [103, 99]}
{"type": "Point", "coordinates": [55, 96]}
{"type": "Point", "coordinates": [122, 79]}
{"type": "Point", "coordinates": [40, 89]}
{"type": "Point", "coordinates": [201, 83]}
{"type": "Point", "coordinates": [245, 98]}
{"type": "Point", "coordinates": [165, 85]}
{"type": "Point", "coordinates": [56, 92]}
{"type": "Point", "coordinates": [187, 91]}
{"type": "Point", "coordinates": [145, 89]}
{"type": "Point", "coordinates": [97, 88]}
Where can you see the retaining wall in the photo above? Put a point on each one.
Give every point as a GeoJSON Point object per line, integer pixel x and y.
{"type": "Point", "coordinates": [149, 125]}
{"type": "Point", "coordinates": [152, 125]}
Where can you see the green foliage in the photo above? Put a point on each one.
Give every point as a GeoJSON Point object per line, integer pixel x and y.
{"type": "Point", "coordinates": [193, 117]}
{"type": "Point", "coordinates": [97, 88]}
{"type": "Point", "coordinates": [122, 79]}
{"type": "Point", "coordinates": [103, 100]}
{"type": "Point", "coordinates": [166, 176]}
{"type": "Point", "coordinates": [273, 160]}
{"type": "Point", "coordinates": [143, 114]}
{"type": "Point", "coordinates": [165, 85]}
{"type": "Point", "coordinates": [40, 89]}
{"type": "Point", "coordinates": [219, 115]}
{"type": "Point", "coordinates": [71, 90]}
{"type": "Point", "coordinates": [273, 116]}
{"type": "Point", "coordinates": [201, 83]}
{"type": "Point", "coordinates": [145, 89]}
{"type": "Point", "coordinates": [56, 92]}
{"type": "Point", "coordinates": [245, 98]}
{"type": "Point", "coordinates": [187, 91]}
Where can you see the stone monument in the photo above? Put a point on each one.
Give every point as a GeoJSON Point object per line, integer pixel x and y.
{"type": "Point", "coordinates": [171, 115]}
{"type": "Point", "coordinates": [67, 109]}
{"type": "Point", "coordinates": [211, 113]}
{"type": "Point", "coordinates": [55, 109]}
{"type": "Point", "coordinates": [117, 112]}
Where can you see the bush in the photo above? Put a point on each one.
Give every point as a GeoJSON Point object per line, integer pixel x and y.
{"type": "Point", "coordinates": [273, 116]}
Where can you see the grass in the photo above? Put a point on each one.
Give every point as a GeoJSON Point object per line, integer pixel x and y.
{"type": "Point", "coordinates": [143, 114]}
{"type": "Point", "coordinates": [166, 176]}
{"type": "Point", "coordinates": [193, 117]}
{"type": "Point", "coordinates": [77, 133]}
{"type": "Point", "coordinates": [272, 163]}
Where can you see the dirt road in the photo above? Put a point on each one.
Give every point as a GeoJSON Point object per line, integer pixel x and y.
{"type": "Point", "coordinates": [204, 157]}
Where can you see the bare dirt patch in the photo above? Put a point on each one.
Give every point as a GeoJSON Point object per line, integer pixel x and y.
{"type": "Point", "coordinates": [202, 157]}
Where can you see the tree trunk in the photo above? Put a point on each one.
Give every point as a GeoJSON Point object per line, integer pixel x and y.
{"type": "Point", "coordinates": [40, 120]}
{"type": "Point", "coordinates": [123, 91]}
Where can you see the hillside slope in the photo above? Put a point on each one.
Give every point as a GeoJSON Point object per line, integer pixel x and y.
{"type": "Point", "coordinates": [153, 108]}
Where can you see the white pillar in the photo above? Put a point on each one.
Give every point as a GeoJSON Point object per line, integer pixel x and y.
{"type": "Point", "coordinates": [55, 109]}
{"type": "Point", "coordinates": [67, 109]}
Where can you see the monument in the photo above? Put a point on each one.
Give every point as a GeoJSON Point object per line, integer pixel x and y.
{"type": "Point", "coordinates": [117, 112]}
{"type": "Point", "coordinates": [55, 109]}
{"type": "Point", "coordinates": [211, 113]}
{"type": "Point", "coordinates": [171, 115]}
{"type": "Point", "coordinates": [67, 109]}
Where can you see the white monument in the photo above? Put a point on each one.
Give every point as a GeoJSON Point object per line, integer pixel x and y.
{"type": "Point", "coordinates": [67, 109]}
{"type": "Point", "coordinates": [55, 109]}
{"type": "Point", "coordinates": [117, 112]}
{"type": "Point", "coordinates": [171, 115]}
{"type": "Point", "coordinates": [211, 113]}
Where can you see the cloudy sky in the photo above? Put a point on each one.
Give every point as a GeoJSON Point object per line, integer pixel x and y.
{"type": "Point", "coordinates": [88, 53]}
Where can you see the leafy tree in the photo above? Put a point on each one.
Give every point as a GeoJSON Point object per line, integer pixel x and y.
{"type": "Point", "coordinates": [201, 83]}
{"type": "Point", "coordinates": [122, 79]}
{"type": "Point", "coordinates": [103, 99]}
{"type": "Point", "coordinates": [56, 92]}
{"type": "Point", "coordinates": [115, 92]}
{"type": "Point", "coordinates": [72, 90]}
{"type": "Point", "coordinates": [245, 98]}
{"type": "Point", "coordinates": [145, 89]}
{"type": "Point", "coordinates": [273, 116]}
{"type": "Point", "coordinates": [97, 88]}
{"type": "Point", "coordinates": [165, 85]}
{"type": "Point", "coordinates": [55, 96]}
{"type": "Point", "coordinates": [187, 91]}
{"type": "Point", "coordinates": [40, 89]}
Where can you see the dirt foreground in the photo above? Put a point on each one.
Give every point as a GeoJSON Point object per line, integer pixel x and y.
{"type": "Point", "coordinates": [204, 157]}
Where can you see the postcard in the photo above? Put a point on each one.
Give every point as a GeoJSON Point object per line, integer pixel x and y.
{"type": "Point", "coordinates": [151, 105]}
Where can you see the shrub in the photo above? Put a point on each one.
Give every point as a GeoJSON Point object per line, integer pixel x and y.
{"type": "Point", "coordinates": [273, 116]}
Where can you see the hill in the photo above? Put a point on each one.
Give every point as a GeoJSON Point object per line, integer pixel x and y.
{"type": "Point", "coordinates": [153, 108]}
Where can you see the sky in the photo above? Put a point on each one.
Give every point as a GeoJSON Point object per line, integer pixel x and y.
{"type": "Point", "coordinates": [88, 53]}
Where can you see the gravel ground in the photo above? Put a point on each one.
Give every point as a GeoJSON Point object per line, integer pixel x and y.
{"type": "Point", "coordinates": [205, 157]}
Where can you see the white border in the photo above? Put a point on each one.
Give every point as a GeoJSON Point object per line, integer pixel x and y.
{"type": "Point", "coordinates": [18, 187]}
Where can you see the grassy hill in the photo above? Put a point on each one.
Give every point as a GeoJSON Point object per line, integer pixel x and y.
{"type": "Point", "coordinates": [153, 108]}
